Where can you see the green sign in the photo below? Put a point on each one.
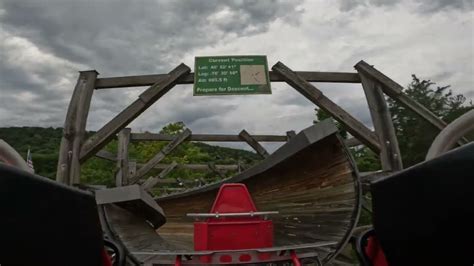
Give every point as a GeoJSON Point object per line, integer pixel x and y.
{"type": "Point", "coordinates": [224, 75]}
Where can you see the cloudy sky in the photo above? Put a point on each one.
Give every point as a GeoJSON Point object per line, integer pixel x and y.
{"type": "Point", "coordinates": [44, 43]}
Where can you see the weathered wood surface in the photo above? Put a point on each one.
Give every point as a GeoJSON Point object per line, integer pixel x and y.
{"type": "Point", "coordinates": [213, 168]}
{"type": "Point", "coordinates": [313, 94]}
{"type": "Point", "coordinates": [147, 80]}
{"type": "Point", "coordinates": [244, 135]}
{"type": "Point", "coordinates": [390, 155]}
{"type": "Point", "coordinates": [153, 180]}
{"type": "Point", "coordinates": [311, 181]}
{"type": "Point", "coordinates": [160, 155]}
{"type": "Point", "coordinates": [68, 170]}
{"type": "Point", "coordinates": [121, 178]}
{"type": "Point", "coordinates": [145, 100]}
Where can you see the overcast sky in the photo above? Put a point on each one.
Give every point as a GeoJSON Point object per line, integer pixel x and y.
{"type": "Point", "coordinates": [44, 43]}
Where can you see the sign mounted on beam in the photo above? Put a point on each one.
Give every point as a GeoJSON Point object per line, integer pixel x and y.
{"type": "Point", "coordinates": [231, 75]}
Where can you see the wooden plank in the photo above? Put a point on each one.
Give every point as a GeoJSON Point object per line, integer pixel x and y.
{"type": "Point", "coordinates": [352, 125]}
{"type": "Point", "coordinates": [244, 135]}
{"type": "Point", "coordinates": [145, 100]}
{"type": "Point", "coordinates": [106, 155]}
{"type": "Point", "coordinates": [213, 168]}
{"type": "Point", "coordinates": [160, 155]}
{"type": "Point", "coordinates": [147, 80]}
{"type": "Point", "coordinates": [395, 91]}
{"type": "Point", "coordinates": [153, 180]}
{"type": "Point", "coordinates": [68, 171]}
{"type": "Point", "coordinates": [122, 157]}
{"type": "Point", "coordinates": [390, 155]}
{"type": "Point", "coordinates": [207, 137]}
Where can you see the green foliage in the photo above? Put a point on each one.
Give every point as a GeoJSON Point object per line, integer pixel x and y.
{"type": "Point", "coordinates": [173, 128]}
{"type": "Point", "coordinates": [44, 145]}
{"type": "Point", "coordinates": [366, 159]}
{"type": "Point", "coordinates": [322, 115]}
{"type": "Point", "coordinates": [415, 134]}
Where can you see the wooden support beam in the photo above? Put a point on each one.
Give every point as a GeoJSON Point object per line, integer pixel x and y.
{"type": "Point", "coordinates": [106, 155]}
{"type": "Point", "coordinates": [207, 137]}
{"type": "Point", "coordinates": [160, 156]}
{"type": "Point", "coordinates": [122, 175]}
{"type": "Point", "coordinates": [313, 94]}
{"type": "Point", "coordinates": [390, 155]}
{"type": "Point", "coordinates": [147, 80]}
{"type": "Point", "coordinates": [145, 100]}
{"type": "Point", "coordinates": [213, 168]}
{"type": "Point", "coordinates": [132, 168]}
{"type": "Point", "coordinates": [244, 135]}
{"type": "Point", "coordinates": [395, 91]}
{"type": "Point", "coordinates": [68, 170]}
{"type": "Point", "coordinates": [153, 180]}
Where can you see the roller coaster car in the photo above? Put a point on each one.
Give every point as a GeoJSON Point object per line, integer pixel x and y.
{"type": "Point", "coordinates": [45, 223]}
{"type": "Point", "coordinates": [423, 215]}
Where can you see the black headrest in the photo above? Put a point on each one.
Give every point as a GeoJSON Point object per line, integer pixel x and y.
{"type": "Point", "coordinates": [45, 223]}
{"type": "Point", "coordinates": [424, 215]}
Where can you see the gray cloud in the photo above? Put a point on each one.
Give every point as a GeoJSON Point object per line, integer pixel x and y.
{"type": "Point", "coordinates": [116, 38]}
{"type": "Point", "coordinates": [423, 6]}
{"type": "Point", "coordinates": [44, 44]}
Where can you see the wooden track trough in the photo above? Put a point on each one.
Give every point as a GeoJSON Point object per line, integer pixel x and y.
{"type": "Point", "coordinates": [311, 181]}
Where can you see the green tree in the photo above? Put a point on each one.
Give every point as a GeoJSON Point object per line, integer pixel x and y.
{"type": "Point", "coordinates": [415, 134]}
{"type": "Point", "coordinates": [173, 128]}
{"type": "Point", "coordinates": [323, 115]}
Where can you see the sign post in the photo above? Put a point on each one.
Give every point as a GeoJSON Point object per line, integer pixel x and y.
{"type": "Point", "coordinates": [231, 75]}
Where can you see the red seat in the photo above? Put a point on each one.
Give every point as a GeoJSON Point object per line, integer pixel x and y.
{"type": "Point", "coordinates": [240, 229]}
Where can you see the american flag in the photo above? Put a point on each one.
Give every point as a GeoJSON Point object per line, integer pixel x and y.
{"type": "Point", "coordinates": [29, 161]}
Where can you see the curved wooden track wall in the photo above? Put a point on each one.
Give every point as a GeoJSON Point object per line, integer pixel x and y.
{"type": "Point", "coordinates": [318, 200]}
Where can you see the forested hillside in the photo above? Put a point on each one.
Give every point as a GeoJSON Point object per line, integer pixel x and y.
{"type": "Point", "coordinates": [44, 146]}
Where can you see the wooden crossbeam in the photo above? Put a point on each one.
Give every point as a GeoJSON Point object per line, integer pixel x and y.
{"type": "Point", "coordinates": [106, 155]}
{"type": "Point", "coordinates": [153, 180]}
{"type": "Point", "coordinates": [160, 155]}
{"type": "Point", "coordinates": [244, 135]}
{"type": "Point", "coordinates": [213, 168]}
{"type": "Point", "coordinates": [145, 100]}
{"type": "Point", "coordinates": [147, 80]}
{"type": "Point", "coordinates": [207, 137]}
{"type": "Point", "coordinates": [395, 91]}
{"type": "Point", "coordinates": [313, 94]}
{"type": "Point", "coordinates": [390, 155]}
{"type": "Point", "coordinates": [121, 178]}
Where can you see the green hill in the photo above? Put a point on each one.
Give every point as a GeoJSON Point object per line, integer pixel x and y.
{"type": "Point", "coordinates": [44, 146]}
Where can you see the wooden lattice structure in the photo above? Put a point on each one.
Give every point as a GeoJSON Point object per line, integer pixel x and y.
{"type": "Point", "coordinates": [75, 149]}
